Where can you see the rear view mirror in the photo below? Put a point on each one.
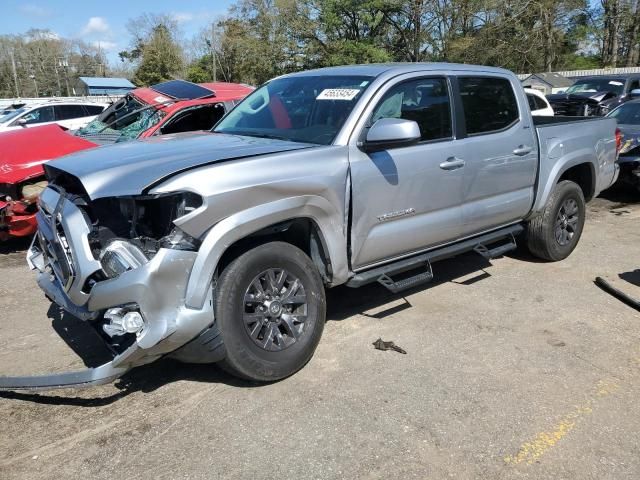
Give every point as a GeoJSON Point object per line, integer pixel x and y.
{"type": "Point", "coordinates": [635, 93]}
{"type": "Point", "coordinates": [390, 133]}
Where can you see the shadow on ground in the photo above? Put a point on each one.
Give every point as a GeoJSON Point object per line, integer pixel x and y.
{"type": "Point", "coordinates": [343, 302]}
{"type": "Point", "coordinates": [14, 245]}
{"type": "Point", "coordinates": [622, 195]}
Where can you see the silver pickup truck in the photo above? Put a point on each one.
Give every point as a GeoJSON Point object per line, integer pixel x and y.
{"type": "Point", "coordinates": [218, 246]}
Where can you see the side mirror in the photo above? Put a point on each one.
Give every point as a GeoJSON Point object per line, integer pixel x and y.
{"type": "Point", "coordinates": [22, 122]}
{"type": "Point", "coordinates": [635, 93]}
{"type": "Point", "coordinates": [390, 133]}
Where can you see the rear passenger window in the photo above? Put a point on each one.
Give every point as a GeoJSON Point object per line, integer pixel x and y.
{"type": "Point", "coordinates": [425, 101]}
{"type": "Point", "coordinates": [531, 98]}
{"type": "Point", "coordinates": [540, 103]}
{"type": "Point", "coordinates": [93, 109]}
{"type": "Point", "coordinates": [67, 112]}
{"type": "Point", "coordinates": [489, 104]}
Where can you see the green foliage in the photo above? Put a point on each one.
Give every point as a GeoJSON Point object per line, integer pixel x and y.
{"type": "Point", "coordinates": [161, 58]}
{"type": "Point", "coordinates": [199, 71]}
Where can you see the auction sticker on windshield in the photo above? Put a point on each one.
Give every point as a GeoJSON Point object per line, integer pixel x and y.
{"type": "Point", "coordinates": [338, 94]}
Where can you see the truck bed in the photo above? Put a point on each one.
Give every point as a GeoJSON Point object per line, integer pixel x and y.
{"type": "Point", "coordinates": [568, 141]}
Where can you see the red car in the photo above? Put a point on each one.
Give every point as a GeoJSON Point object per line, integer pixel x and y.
{"type": "Point", "coordinates": [170, 107]}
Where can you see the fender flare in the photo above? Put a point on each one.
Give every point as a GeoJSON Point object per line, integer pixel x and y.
{"type": "Point", "coordinates": [241, 224]}
{"type": "Point", "coordinates": [579, 157]}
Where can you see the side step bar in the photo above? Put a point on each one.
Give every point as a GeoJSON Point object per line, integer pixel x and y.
{"type": "Point", "coordinates": [478, 244]}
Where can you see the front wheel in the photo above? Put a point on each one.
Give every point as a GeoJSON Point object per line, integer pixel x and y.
{"type": "Point", "coordinates": [271, 307]}
{"type": "Point", "coordinates": [555, 233]}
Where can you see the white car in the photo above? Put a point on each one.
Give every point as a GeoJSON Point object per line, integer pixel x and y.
{"type": "Point", "coordinates": [71, 115]}
{"type": "Point", "coordinates": [538, 104]}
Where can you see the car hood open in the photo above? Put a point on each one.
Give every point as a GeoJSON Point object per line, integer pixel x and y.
{"type": "Point", "coordinates": [22, 152]}
{"type": "Point", "coordinates": [132, 168]}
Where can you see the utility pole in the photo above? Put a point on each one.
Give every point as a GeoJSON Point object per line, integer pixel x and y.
{"type": "Point", "coordinates": [213, 50]}
{"type": "Point", "coordinates": [33, 77]}
{"type": "Point", "coordinates": [65, 64]}
{"type": "Point", "coordinates": [56, 63]}
{"type": "Point", "coordinates": [15, 74]}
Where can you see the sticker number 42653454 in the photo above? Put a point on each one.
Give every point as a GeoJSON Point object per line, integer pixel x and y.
{"type": "Point", "coordinates": [338, 94]}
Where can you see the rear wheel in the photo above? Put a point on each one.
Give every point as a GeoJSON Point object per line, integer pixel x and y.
{"type": "Point", "coordinates": [271, 307]}
{"type": "Point", "coordinates": [555, 233]}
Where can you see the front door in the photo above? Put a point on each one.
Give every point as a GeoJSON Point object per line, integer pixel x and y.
{"type": "Point", "coordinates": [408, 198]}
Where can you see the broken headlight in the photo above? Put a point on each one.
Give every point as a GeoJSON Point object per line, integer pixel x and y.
{"type": "Point", "coordinates": [120, 256]}
{"type": "Point", "coordinates": [146, 221]}
{"type": "Point", "coordinates": [179, 240]}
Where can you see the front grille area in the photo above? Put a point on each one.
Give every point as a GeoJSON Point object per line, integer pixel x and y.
{"type": "Point", "coordinates": [55, 248]}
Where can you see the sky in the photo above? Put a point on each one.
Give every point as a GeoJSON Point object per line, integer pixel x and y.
{"type": "Point", "coordinates": [103, 21]}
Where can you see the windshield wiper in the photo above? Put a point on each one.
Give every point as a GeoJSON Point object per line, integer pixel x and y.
{"type": "Point", "coordinates": [248, 133]}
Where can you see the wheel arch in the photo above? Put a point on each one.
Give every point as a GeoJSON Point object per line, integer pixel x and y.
{"type": "Point", "coordinates": [584, 175]}
{"type": "Point", "coordinates": [309, 222]}
{"type": "Point", "coordinates": [578, 168]}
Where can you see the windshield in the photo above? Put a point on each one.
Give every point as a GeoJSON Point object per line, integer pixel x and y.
{"type": "Point", "coordinates": [310, 109]}
{"type": "Point", "coordinates": [7, 115]}
{"type": "Point", "coordinates": [124, 120]}
{"type": "Point", "coordinates": [592, 85]}
{"type": "Point", "coordinates": [627, 114]}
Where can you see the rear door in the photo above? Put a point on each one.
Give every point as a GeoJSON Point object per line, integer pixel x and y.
{"type": "Point", "coordinates": [407, 198]}
{"type": "Point", "coordinates": [500, 150]}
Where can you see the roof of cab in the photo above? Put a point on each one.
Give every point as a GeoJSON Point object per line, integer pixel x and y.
{"type": "Point", "coordinates": [378, 69]}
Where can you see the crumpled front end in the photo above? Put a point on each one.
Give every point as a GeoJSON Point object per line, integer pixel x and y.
{"type": "Point", "coordinates": [130, 287]}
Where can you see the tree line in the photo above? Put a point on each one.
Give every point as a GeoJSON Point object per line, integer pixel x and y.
{"type": "Point", "coordinates": [260, 39]}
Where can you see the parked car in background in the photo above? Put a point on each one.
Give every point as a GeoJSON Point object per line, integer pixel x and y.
{"type": "Point", "coordinates": [628, 117]}
{"type": "Point", "coordinates": [595, 96]}
{"type": "Point", "coordinates": [538, 103]}
{"type": "Point", "coordinates": [71, 115]}
{"type": "Point", "coordinates": [218, 246]}
{"type": "Point", "coordinates": [170, 107]}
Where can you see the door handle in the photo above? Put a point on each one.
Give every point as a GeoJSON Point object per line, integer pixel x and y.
{"type": "Point", "coordinates": [452, 163]}
{"type": "Point", "coordinates": [521, 150]}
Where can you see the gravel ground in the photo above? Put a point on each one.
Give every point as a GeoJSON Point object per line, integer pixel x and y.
{"type": "Point", "coordinates": [515, 369]}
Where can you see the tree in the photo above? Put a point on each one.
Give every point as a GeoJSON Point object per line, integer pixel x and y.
{"type": "Point", "coordinates": [161, 58]}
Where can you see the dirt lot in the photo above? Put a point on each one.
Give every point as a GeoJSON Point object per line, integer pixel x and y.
{"type": "Point", "coordinates": [515, 369]}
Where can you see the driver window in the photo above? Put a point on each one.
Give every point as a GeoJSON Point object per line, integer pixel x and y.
{"type": "Point", "coordinates": [39, 115]}
{"type": "Point", "coordinates": [200, 118]}
{"type": "Point", "coordinates": [425, 101]}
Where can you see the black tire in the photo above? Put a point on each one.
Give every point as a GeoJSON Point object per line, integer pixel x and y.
{"type": "Point", "coordinates": [543, 238]}
{"type": "Point", "coordinates": [244, 357]}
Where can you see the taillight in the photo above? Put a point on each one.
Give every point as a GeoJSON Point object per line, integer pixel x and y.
{"type": "Point", "coordinates": [618, 140]}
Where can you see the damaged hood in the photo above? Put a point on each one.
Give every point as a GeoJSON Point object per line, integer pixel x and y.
{"type": "Point", "coordinates": [581, 97]}
{"type": "Point", "coordinates": [22, 152]}
{"type": "Point", "coordinates": [131, 168]}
